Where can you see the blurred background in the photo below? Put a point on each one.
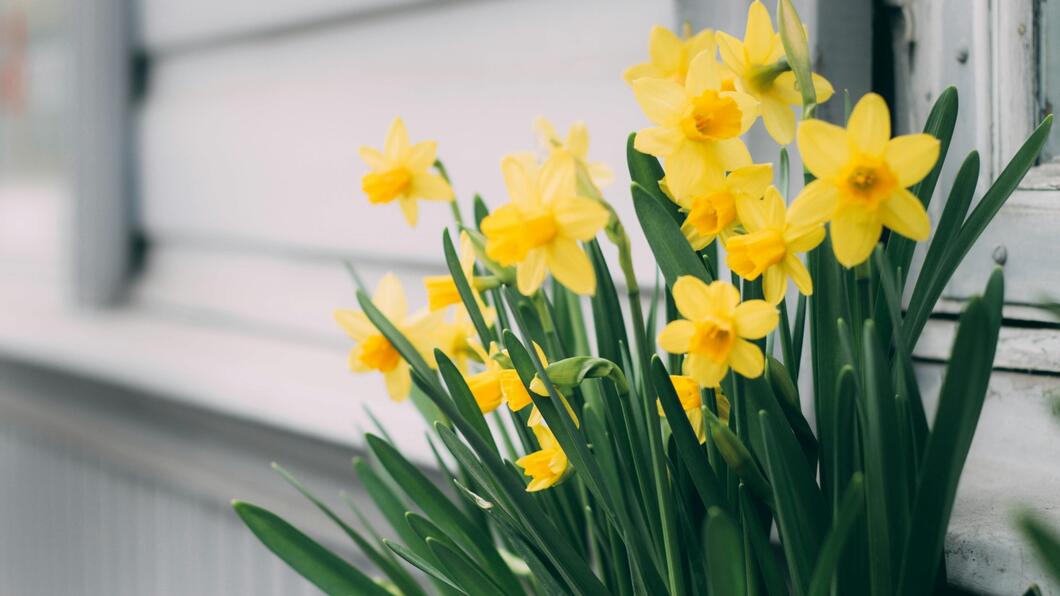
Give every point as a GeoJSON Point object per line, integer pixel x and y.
{"type": "Point", "coordinates": [179, 187]}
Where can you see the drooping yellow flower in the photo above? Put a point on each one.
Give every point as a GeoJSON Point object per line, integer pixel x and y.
{"type": "Point", "coordinates": [709, 199]}
{"type": "Point", "coordinates": [698, 124]}
{"type": "Point", "coordinates": [539, 230]}
{"type": "Point", "coordinates": [547, 466]}
{"type": "Point", "coordinates": [862, 177]}
{"type": "Point", "coordinates": [486, 385]}
{"type": "Point", "coordinates": [755, 63]}
{"type": "Point", "coordinates": [715, 330]}
{"type": "Point", "coordinates": [688, 391]}
{"type": "Point", "coordinates": [669, 55]}
{"type": "Point", "coordinates": [373, 352]}
{"type": "Point", "coordinates": [399, 173]}
{"type": "Point", "coordinates": [775, 235]}
{"type": "Point", "coordinates": [576, 147]}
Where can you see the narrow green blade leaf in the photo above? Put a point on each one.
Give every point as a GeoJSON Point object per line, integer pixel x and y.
{"type": "Point", "coordinates": [724, 553]}
{"type": "Point", "coordinates": [463, 399]}
{"type": "Point", "coordinates": [849, 510]}
{"type": "Point", "coordinates": [1045, 540]}
{"type": "Point", "coordinates": [397, 339]}
{"type": "Point", "coordinates": [423, 565]}
{"type": "Point", "coordinates": [464, 571]}
{"type": "Point", "coordinates": [672, 251]}
{"type": "Point", "coordinates": [645, 170]}
{"type": "Point", "coordinates": [467, 295]}
{"type": "Point", "coordinates": [323, 568]}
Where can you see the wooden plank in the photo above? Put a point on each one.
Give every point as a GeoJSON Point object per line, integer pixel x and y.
{"type": "Point", "coordinates": [1019, 348]}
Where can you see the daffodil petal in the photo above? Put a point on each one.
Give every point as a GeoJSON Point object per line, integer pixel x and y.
{"type": "Point", "coordinates": [578, 140]}
{"type": "Point", "coordinates": [410, 210]}
{"type": "Point", "coordinates": [665, 49]}
{"type": "Point", "coordinates": [746, 359]}
{"type": "Point", "coordinates": [758, 36]}
{"type": "Point", "coordinates": [530, 273]}
{"type": "Point", "coordinates": [702, 74]}
{"type": "Point", "coordinates": [353, 359]}
{"type": "Point", "coordinates": [750, 181]}
{"type": "Point", "coordinates": [421, 156]}
{"type": "Point", "coordinates": [823, 147]}
{"type": "Point", "coordinates": [389, 298]}
{"type": "Point", "coordinates": [705, 371]}
{"type": "Point", "coordinates": [732, 154]}
{"type": "Point", "coordinates": [601, 174]}
{"type": "Point", "coordinates": [580, 218]}
{"type": "Point", "coordinates": [663, 101]}
{"type": "Point", "coordinates": [869, 127]}
{"type": "Point", "coordinates": [731, 51]}
{"type": "Point", "coordinates": [676, 336]}
{"type": "Point", "coordinates": [821, 88]}
{"type": "Point", "coordinates": [695, 239]}
{"type": "Point", "coordinates": [374, 158]}
{"type": "Point", "coordinates": [774, 284]}
{"type": "Point", "coordinates": [855, 233]}
{"type": "Point", "coordinates": [641, 71]}
{"type": "Point", "coordinates": [798, 273]}
{"type": "Point", "coordinates": [803, 239]}
{"type": "Point", "coordinates": [397, 141]}
{"type": "Point", "coordinates": [905, 214]}
{"type": "Point", "coordinates": [570, 266]}
{"type": "Point", "coordinates": [398, 382]}
{"type": "Point", "coordinates": [815, 204]}
{"type": "Point", "coordinates": [779, 119]}
{"type": "Point", "coordinates": [755, 318]}
{"type": "Point", "coordinates": [701, 42]}
{"type": "Point", "coordinates": [775, 208]}
{"type": "Point", "coordinates": [430, 186]}
{"type": "Point", "coordinates": [752, 213]}
{"type": "Point", "coordinates": [911, 157]}
{"type": "Point", "coordinates": [785, 89]}
{"type": "Point", "coordinates": [692, 298]}
{"type": "Point", "coordinates": [355, 323]}
{"type": "Point", "coordinates": [518, 181]}
{"type": "Point", "coordinates": [557, 178]}
{"type": "Point", "coordinates": [658, 141]}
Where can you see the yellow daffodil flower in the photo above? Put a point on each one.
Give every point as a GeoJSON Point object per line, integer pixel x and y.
{"type": "Point", "coordinates": [399, 172]}
{"type": "Point", "coordinates": [862, 178]}
{"type": "Point", "coordinates": [755, 62]}
{"type": "Point", "coordinates": [547, 466]}
{"type": "Point", "coordinates": [486, 385]}
{"type": "Point", "coordinates": [669, 55]}
{"type": "Point", "coordinates": [576, 147]}
{"type": "Point", "coordinates": [373, 352]}
{"type": "Point", "coordinates": [689, 393]}
{"type": "Point", "coordinates": [709, 199]}
{"type": "Point", "coordinates": [775, 234]}
{"type": "Point", "coordinates": [539, 230]}
{"type": "Point", "coordinates": [715, 330]}
{"type": "Point", "coordinates": [698, 124]}
{"type": "Point", "coordinates": [441, 289]}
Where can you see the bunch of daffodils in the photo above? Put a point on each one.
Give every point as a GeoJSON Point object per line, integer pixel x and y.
{"type": "Point", "coordinates": [594, 439]}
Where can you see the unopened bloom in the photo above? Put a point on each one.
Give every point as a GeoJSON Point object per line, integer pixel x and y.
{"type": "Point", "coordinates": [775, 235]}
{"type": "Point", "coordinates": [373, 352]}
{"type": "Point", "coordinates": [576, 148]}
{"type": "Point", "coordinates": [715, 330]}
{"type": "Point", "coordinates": [709, 199]}
{"type": "Point", "coordinates": [546, 466]}
{"type": "Point", "coordinates": [698, 124]}
{"type": "Point", "coordinates": [399, 172]}
{"type": "Point", "coordinates": [688, 392]}
{"type": "Point", "coordinates": [756, 64]}
{"type": "Point", "coordinates": [669, 55]}
{"type": "Point", "coordinates": [862, 178]}
{"type": "Point", "coordinates": [539, 230]}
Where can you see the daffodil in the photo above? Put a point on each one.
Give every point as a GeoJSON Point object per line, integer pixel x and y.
{"type": "Point", "coordinates": [862, 178]}
{"type": "Point", "coordinates": [441, 289]}
{"type": "Point", "coordinates": [669, 55]}
{"type": "Point", "coordinates": [373, 352]}
{"type": "Point", "coordinates": [399, 173]}
{"type": "Point", "coordinates": [697, 124]}
{"type": "Point", "coordinates": [539, 230]}
{"type": "Point", "coordinates": [709, 199]}
{"type": "Point", "coordinates": [756, 63]}
{"type": "Point", "coordinates": [715, 330]}
{"type": "Point", "coordinates": [546, 466]}
{"type": "Point", "coordinates": [576, 148]}
{"type": "Point", "coordinates": [486, 385]}
{"type": "Point", "coordinates": [688, 392]}
{"type": "Point", "coordinates": [775, 235]}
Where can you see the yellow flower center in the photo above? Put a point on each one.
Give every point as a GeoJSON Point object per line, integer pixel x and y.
{"type": "Point", "coordinates": [867, 181]}
{"type": "Point", "coordinates": [713, 338]}
{"type": "Point", "coordinates": [712, 117]}
{"type": "Point", "coordinates": [385, 186]}
{"type": "Point", "coordinates": [710, 214]}
{"type": "Point", "coordinates": [377, 353]}
{"type": "Point", "coordinates": [512, 233]}
{"type": "Point", "coordinates": [751, 254]}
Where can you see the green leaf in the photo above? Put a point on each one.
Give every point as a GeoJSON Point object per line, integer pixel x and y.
{"type": "Point", "coordinates": [645, 170]}
{"type": "Point", "coordinates": [466, 573]}
{"type": "Point", "coordinates": [442, 511]}
{"type": "Point", "coordinates": [672, 251]}
{"type": "Point", "coordinates": [323, 568]}
{"type": "Point", "coordinates": [424, 566]}
{"type": "Point", "coordinates": [739, 460]}
{"type": "Point", "coordinates": [479, 208]}
{"type": "Point", "coordinates": [467, 295]}
{"type": "Point", "coordinates": [1044, 539]}
{"type": "Point", "coordinates": [463, 399]}
{"type": "Point", "coordinates": [796, 49]}
{"type": "Point", "coordinates": [847, 514]}
{"type": "Point", "coordinates": [395, 572]}
{"type": "Point", "coordinates": [800, 508]}
{"type": "Point", "coordinates": [788, 398]}
{"type": "Point", "coordinates": [960, 403]}
{"type": "Point", "coordinates": [724, 554]}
